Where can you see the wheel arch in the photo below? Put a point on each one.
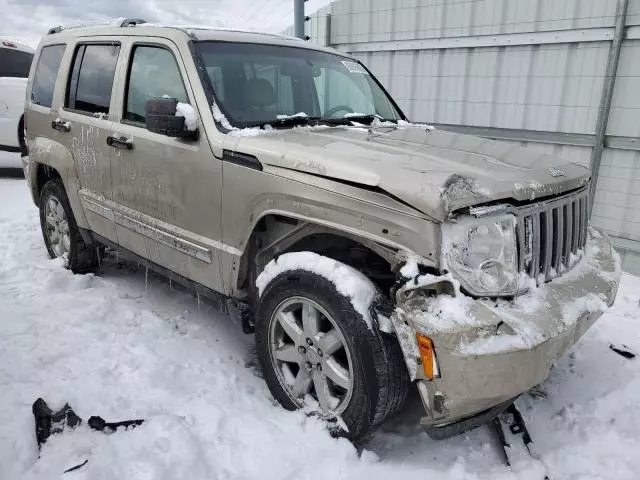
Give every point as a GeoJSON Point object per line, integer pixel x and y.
{"type": "Point", "coordinates": [274, 234]}
{"type": "Point", "coordinates": [48, 160]}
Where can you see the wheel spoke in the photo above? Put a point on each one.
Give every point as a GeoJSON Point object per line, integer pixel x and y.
{"type": "Point", "coordinates": [330, 342]}
{"type": "Point", "coordinates": [288, 353]}
{"type": "Point", "coordinates": [66, 243]}
{"type": "Point", "coordinates": [322, 390]}
{"type": "Point", "coordinates": [310, 320]}
{"type": "Point", "coordinates": [51, 206]}
{"type": "Point", "coordinates": [291, 328]}
{"type": "Point", "coordinates": [54, 237]}
{"type": "Point", "coordinates": [302, 385]}
{"type": "Point", "coordinates": [60, 211]}
{"type": "Point", "coordinates": [50, 220]}
{"type": "Point", "coordinates": [337, 373]}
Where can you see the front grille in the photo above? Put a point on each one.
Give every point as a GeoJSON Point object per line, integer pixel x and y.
{"type": "Point", "coordinates": [552, 234]}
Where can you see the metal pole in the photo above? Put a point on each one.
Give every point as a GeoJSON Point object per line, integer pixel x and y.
{"type": "Point", "coordinates": [298, 18]}
{"type": "Point", "coordinates": [327, 31]}
{"type": "Point", "coordinates": [607, 94]}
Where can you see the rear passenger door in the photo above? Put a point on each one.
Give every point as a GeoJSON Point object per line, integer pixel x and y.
{"type": "Point", "coordinates": [167, 190]}
{"type": "Point", "coordinates": [84, 125]}
{"type": "Point", "coordinates": [42, 105]}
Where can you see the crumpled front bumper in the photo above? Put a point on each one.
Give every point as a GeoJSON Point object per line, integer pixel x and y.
{"type": "Point", "coordinates": [490, 351]}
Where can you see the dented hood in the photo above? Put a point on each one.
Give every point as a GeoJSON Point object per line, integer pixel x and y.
{"type": "Point", "coordinates": [434, 171]}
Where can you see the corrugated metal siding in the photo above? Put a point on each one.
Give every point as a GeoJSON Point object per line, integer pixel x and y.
{"type": "Point", "coordinates": [617, 202]}
{"type": "Point", "coordinates": [539, 82]}
{"type": "Point", "coordinates": [381, 20]}
{"type": "Point", "coordinates": [625, 107]}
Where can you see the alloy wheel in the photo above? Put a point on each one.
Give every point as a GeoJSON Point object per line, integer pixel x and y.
{"type": "Point", "coordinates": [310, 356]}
{"type": "Point", "coordinates": [57, 227]}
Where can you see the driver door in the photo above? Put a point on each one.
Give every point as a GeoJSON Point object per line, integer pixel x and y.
{"type": "Point", "coordinates": [167, 190]}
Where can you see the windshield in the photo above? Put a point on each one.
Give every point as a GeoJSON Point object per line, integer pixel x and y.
{"type": "Point", "coordinates": [286, 86]}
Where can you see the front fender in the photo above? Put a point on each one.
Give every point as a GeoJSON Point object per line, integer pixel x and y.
{"type": "Point", "coordinates": [249, 195]}
{"type": "Point", "coordinates": [43, 151]}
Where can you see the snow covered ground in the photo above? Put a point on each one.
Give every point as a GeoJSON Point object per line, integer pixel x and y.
{"type": "Point", "coordinates": [116, 346]}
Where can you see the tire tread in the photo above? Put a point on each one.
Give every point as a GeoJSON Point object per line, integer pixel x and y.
{"type": "Point", "coordinates": [83, 258]}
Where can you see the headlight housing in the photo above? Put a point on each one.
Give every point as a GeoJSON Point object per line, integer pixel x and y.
{"type": "Point", "coordinates": [482, 254]}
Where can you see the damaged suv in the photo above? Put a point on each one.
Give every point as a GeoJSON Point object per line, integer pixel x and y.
{"type": "Point", "coordinates": [367, 253]}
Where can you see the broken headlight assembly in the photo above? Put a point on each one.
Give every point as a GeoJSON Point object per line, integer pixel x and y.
{"type": "Point", "coordinates": [482, 254]}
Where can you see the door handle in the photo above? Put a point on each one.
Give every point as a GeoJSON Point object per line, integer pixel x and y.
{"type": "Point", "coordinates": [123, 143]}
{"type": "Point", "coordinates": [61, 125]}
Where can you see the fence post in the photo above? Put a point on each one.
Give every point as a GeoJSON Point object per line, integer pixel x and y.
{"type": "Point", "coordinates": [327, 31]}
{"type": "Point", "coordinates": [607, 95]}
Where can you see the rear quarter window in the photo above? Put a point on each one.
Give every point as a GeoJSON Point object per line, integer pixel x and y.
{"type": "Point", "coordinates": [44, 80]}
{"type": "Point", "coordinates": [15, 63]}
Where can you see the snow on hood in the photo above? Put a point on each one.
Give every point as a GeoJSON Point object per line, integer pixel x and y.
{"type": "Point", "coordinates": [433, 170]}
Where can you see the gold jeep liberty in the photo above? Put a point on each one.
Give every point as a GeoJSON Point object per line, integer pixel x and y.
{"type": "Point", "coordinates": [368, 254]}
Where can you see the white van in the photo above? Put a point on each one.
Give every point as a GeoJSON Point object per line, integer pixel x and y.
{"type": "Point", "coordinates": [15, 61]}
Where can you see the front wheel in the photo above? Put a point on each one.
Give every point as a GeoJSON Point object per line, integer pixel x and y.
{"type": "Point", "coordinates": [319, 354]}
{"type": "Point", "coordinates": [60, 231]}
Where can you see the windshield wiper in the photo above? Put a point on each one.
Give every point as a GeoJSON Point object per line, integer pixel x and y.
{"type": "Point", "coordinates": [291, 121]}
{"type": "Point", "coordinates": [366, 119]}
{"type": "Point", "coordinates": [297, 120]}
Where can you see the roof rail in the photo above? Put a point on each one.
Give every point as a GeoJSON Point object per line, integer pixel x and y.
{"type": "Point", "coordinates": [121, 22]}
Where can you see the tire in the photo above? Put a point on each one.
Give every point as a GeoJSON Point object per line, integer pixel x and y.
{"type": "Point", "coordinates": [80, 257]}
{"type": "Point", "coordinates": [398, 375]}
{"type": "Point", "coordinates": [379, 386]}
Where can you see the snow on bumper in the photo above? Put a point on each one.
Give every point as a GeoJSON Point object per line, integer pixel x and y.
{"type": "Point", "coordinates": [491, 351]}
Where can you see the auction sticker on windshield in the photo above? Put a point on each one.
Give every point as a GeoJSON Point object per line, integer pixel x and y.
{"type": "Point", "coordinates": [354, 67]}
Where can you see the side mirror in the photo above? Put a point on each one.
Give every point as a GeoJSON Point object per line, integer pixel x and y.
{"type": "Point", "coordinates": [168, 117]}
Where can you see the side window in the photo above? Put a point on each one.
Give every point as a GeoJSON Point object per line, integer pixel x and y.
{"type": "Point", "coordinates": [91, 78]}
{"type": "Point", "coordinates": [44, 79]}
{"type": "Point", "coordinates": [14, 63]}
{"type": "Point", "coordinates": [153, 73]}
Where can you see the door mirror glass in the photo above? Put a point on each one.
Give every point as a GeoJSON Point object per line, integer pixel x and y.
{"type": "Point", "coordinates": [169, 117]}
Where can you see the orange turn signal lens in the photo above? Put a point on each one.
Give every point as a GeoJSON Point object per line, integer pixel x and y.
{"type": "Point", "coordinates": [428, 355]}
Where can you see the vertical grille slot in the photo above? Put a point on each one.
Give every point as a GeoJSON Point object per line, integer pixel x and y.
{"type": "Point", "coordinates": [558, 239]}
{"type": "Point", "coordinates": [576, 225]}
{"type": "Point", "coordinates": [547, 250]}
{"type": "Point", "coordinates": [584, 222]}
{"type": "Point", "coordinates": [568, 234]}
{"type": "Point", "coordinates": [535, 245]}
{"type": "Point", "coordinates": [522, 250]}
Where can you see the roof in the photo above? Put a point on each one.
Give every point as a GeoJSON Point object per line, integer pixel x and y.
{"type": "Point", "coordinates": [135, 27]}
